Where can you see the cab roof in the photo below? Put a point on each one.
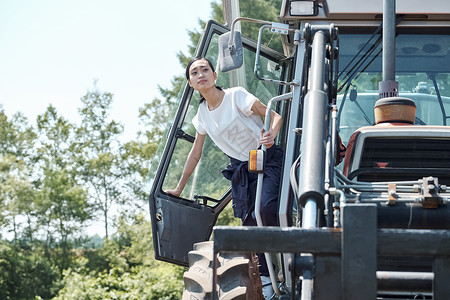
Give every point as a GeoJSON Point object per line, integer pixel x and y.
{"type": "Point", "coordinates": [373, 10]}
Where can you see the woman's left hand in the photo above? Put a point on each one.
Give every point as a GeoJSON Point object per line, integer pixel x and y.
{"type": "Point", "coordinates": [267, 138]}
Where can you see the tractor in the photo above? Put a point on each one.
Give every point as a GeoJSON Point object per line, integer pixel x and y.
{"type": "Point", "coordinates": [366, 78]}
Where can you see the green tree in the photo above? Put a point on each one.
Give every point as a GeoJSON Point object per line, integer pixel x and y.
{"type": "Point", "coordinates": [17, 196]}
{"type": "Point", "coordinates": [130, 271]}
{"type": "Point", "coordinates": [25, 274]}
{"type": "Point", "coordinates": [61, 203]}
{"type": "Point", "coordinates": [16, 193]}
{"type": "Point", "coordinates": [99, 153]}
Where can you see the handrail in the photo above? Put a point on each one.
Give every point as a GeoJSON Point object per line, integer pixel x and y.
{"type": "Point", "coordinates": [259, 221]}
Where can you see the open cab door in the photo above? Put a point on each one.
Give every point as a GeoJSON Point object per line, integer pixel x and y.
{"type": "Point", "coordinates": [180, 222]}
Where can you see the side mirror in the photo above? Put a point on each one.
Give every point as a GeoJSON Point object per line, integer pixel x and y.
{"type": "Point", "coordinates": [231, 54]}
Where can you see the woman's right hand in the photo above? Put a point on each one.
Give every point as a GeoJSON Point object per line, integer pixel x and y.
{"type": "Point", "coordinates": [174, 192]}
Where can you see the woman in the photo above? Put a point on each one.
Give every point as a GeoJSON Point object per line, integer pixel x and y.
{"type": "Point", "coordinates": [232, 119]}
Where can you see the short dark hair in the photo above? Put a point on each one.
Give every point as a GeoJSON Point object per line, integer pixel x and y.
{"type": "Point", "coordinates": [194, 60]}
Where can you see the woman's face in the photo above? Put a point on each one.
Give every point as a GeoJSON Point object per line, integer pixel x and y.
{"type": "Point", "coordinates": [201, 75]}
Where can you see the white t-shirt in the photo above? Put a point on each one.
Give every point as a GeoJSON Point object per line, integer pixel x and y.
{"type": "Point", "coordinates": [232, 126]}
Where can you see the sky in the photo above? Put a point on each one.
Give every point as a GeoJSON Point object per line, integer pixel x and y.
{"type": "Point", "coordinates": [52, 52]}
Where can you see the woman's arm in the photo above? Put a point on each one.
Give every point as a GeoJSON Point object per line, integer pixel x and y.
{"type": "Point", "coordinates": [276, 121]}
{"type": "Point", "coordinates": [191, 162]}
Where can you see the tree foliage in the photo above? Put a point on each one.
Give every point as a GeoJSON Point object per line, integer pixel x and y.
{"type": "Point", "coordinates": [99, 153]}
{"type": "Point", "coordinates": [128, 270]}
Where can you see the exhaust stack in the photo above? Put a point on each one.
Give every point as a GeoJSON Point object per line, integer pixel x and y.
{"type": "Point", "coordinates": [390, 107]}
{"type": "Point", "coordinates": [388, 87]}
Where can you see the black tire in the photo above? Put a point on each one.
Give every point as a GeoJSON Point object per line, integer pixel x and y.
{"type": "Point", "coordinates": [237, 275]}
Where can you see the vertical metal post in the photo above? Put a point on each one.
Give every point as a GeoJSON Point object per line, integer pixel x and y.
{"type": "Point", "coordinates": [327, 272]}
{"type": "Point", "coordinates": [388, 87]}
{"type": "Point", "coordinates": [359, 252]}
{"type": "Point", "coordinates": [312, 168]}
{"type": "Point", "coordinates": [388, 40]}
{"type": "Point", "coordinates": [231, 11]}
{"type": "Point", "coordinates": [441, 269]}
{"type": "Point", "coordinates": [291, 153]}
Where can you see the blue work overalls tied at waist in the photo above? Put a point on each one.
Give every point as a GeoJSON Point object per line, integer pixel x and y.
{"type": "Point", "coordinates": [243, 188]}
